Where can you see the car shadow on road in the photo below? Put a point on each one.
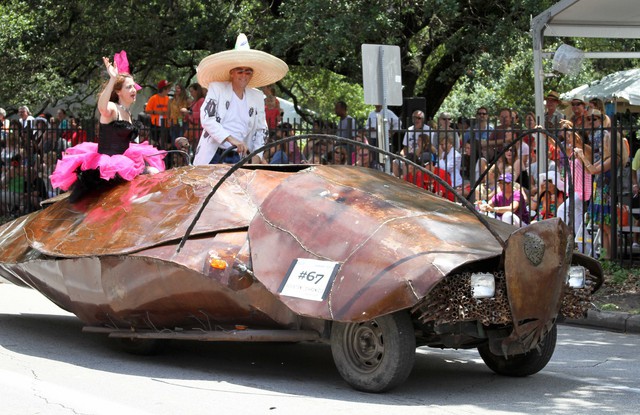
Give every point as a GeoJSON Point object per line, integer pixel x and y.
{"type": "Point", "coordinates": [439, 378]}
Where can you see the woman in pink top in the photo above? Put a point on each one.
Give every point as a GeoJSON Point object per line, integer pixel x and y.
{"type": "Point", "coordinates": [581, 179]}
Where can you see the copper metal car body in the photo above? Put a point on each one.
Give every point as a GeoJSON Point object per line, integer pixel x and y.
{"type": "Point", "coordinates": [398, 263]}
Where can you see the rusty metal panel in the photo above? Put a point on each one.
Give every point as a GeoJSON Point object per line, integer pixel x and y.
{"type": "Point", "coordinates": [393, 240]}
{"type": "Point", "coordinates": [150, 210]}
{"type": "Point", "coordinates": [157, 287]}
{"type": "Point", "coordinates": [537, 260]}
{"type": "Point", "coordinates": [14, 244]}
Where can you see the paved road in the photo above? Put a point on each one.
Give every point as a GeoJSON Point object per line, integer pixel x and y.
{"type": "Point", "coordinates": [47, 366]}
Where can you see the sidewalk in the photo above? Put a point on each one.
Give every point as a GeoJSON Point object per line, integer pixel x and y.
{"type": "Point", "coordinates": [608, 320]}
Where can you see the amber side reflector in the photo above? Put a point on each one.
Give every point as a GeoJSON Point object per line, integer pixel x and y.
{"type": "Point", "coordinates": [217, 263]}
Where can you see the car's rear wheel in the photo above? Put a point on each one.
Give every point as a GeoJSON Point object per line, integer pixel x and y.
{"type": "Point", "coordinates": [376, 355]}
{"type": "Point", "coordinates": [522, 364]}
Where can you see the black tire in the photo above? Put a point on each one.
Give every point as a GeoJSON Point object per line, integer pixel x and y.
{"type": "Point", "coordinates": [377, 355]}
{"type": "Point", "coordinates": [523, 364]}
{"type": "Point", "coordinates": [141, 347]}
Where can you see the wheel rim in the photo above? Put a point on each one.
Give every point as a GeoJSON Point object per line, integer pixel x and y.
{"type": "Point", "coordinates": [364, 345]}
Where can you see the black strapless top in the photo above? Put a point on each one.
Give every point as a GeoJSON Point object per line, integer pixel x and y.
{"type": "Point", "coordinates": [116, 136]}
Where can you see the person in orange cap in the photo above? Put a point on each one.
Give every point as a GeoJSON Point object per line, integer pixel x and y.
{"type": "Point", "coordinates": [158, 108]}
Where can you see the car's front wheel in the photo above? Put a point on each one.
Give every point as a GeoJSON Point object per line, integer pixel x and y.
{"type": "Point", "coordinates": [376, 355]}
{"type": "Point", "coordinates": [522, 364]}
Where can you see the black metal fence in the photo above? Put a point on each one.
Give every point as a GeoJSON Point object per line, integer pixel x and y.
{"type": "Point", "coordinates": [602, 208]}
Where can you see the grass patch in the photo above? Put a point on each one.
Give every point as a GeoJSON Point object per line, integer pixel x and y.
{"type": "Point", "coordinates": [619, 275]}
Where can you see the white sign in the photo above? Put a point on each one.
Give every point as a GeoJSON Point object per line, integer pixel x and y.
{"type": "Point", "coordinates": [381, 74]}
{"type": "Point", "coordinates": [310, 279]}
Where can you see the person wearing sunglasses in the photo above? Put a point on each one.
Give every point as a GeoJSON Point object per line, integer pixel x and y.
{"type": "Point", "coordinates": [410, 141]}
{"type": "Point", "coordinates": [480, 128]}
{"type": "Point", "coordinates": [233, 112]}
{"type": "Point", "coordinates": [579, 108]}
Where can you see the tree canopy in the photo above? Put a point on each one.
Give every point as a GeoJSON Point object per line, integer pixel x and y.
{"type": "Point", "coordinates": [456, 53]}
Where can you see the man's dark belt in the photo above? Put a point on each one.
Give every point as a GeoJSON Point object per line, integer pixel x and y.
{"type": "Point", "coordinates": [220, 150]}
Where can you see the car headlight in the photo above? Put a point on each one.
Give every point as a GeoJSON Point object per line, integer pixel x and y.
{"type": "Point", "coordinates": [576, 276]}
{"type": "Point", "coordinates": [483, 285]}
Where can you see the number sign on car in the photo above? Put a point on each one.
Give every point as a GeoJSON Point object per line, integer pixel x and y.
{"type": "Point", "coordinates": [310, 279]}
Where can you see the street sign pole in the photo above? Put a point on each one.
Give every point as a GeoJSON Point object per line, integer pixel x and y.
{"type": "Point", "coordinates": [383, 139]}
{"type": "Point", "coordinates": [382, 83]}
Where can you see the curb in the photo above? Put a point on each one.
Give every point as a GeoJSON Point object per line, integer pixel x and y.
{"type": "Point", "coordinates": [607, 320]}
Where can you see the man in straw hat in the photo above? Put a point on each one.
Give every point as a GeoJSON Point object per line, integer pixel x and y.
{"type": "Point", "coordinates": [233, 112]}
{"type": "Point", "coordinates": [552, 115]}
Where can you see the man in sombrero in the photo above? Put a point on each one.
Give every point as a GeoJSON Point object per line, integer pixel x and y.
{"type": "Point", "coordinates": [233, 112]}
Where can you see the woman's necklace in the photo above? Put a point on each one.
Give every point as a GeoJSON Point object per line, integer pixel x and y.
{"type": "Point", "coordinates": [125, 109]}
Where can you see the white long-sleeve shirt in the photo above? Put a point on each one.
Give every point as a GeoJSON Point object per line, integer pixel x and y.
{"type": "Point", "coordinates": [451, 162]}
{"type": "Point", "coordinates": [214, 115]}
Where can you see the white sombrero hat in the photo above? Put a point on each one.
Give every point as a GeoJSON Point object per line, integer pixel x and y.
{"type": "Point", "coordinates": [267, 69]}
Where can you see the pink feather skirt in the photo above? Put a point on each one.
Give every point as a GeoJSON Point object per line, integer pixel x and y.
{"type": "Point", "coordinates": [85, 156]}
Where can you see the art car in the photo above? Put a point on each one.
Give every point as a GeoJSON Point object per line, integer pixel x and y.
{"type": "Point", "coordinates": [350, 256]}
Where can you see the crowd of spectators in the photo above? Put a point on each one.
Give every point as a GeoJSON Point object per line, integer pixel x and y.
{"type": "Point", "coordinates": [29, 149]}
{"type": "Point", "coordinates": [517, 169]}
